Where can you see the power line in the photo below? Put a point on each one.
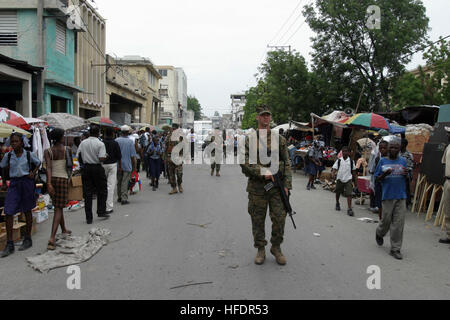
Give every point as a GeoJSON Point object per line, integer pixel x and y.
{"type": "Point", "coordinates": [290, 27]}
{"type": "Point", "coordinates": [295, 32]}
{"type": "Point", "coordinates": [284, 24]}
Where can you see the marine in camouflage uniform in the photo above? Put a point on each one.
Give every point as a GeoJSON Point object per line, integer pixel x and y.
{"type": "Point", "coordinates": [175, 172]}
{"type": "Point", "coordinates": [214, 166]}
{"type": "Point", "coordinates": [259, 199]}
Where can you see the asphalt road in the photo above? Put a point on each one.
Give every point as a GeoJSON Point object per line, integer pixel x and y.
{"type": "Point", "coordinates": [204, 235]}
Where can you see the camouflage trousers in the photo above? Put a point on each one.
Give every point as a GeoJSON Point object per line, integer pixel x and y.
{"type": "Point", "coordinates": [257, 208]}
{"type": "Point", "coordinates": [175, 174]}
{"type": "Point", "coordinates": [215, 166]}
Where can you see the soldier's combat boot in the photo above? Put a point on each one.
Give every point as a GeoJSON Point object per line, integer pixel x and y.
{"type": "Point", "coordinates": [217, 174]}
{"type": "Point", "coordinates": [180, 188]}
{"type": "Point", "coordinates": [174, 190]}
{"type": "Point", "coordinates": [260, 256]}
{"type": "Point", "coordinates": [276, 251]}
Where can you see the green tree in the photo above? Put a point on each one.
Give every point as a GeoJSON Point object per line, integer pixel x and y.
{"type": "Point", "coordinates": [348, 54]}
{"type": "Point", "coordinates": [438, 61]}
{"type": "Point", "coordinates": [408, 91]}
{"type": "Point", "coordinates": [194, 105]}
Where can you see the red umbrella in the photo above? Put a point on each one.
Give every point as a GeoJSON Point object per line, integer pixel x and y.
{"type": "Point", "coordinates": [12, 117]}
{"type": "Point", "coordinates": [103, 121]}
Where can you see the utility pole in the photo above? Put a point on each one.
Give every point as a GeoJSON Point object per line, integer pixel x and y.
{"type": "Point", "coordinates": [42, 58]}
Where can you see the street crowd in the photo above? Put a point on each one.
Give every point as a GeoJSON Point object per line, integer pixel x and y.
{"type": "Point", "coordinates": [109, 163]}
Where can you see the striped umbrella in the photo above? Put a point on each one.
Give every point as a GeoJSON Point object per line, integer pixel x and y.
{"type": "Point", "coordinates": [369, 121]}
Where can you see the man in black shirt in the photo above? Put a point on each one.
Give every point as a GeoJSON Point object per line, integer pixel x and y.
{"type": "Point", "coordinates": [111, 164]}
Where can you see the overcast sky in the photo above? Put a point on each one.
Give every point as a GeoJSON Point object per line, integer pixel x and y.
{"type": "Point", "coordinates": [219, 44]}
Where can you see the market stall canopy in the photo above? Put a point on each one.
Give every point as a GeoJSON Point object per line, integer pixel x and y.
{"type": "Point", "coordinates": [65, 121]}
{"type": "Point", "coordinates": [6, 130]}
{"type": "Point", "coordinates": [336, 118]}
{"type": "Point", "coordinates": [104, 122]}
{"type": "Point", "coordinates": [414, 115]}
{"type": "Point", "coordinates": [302, 126]}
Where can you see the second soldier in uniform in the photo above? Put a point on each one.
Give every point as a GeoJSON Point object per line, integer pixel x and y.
{"type": "Point", "coordinates": [259, 199]}
{"type": "Point", "coordinates": [175, 172]}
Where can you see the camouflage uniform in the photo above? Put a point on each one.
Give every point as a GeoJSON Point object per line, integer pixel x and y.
{"type": "Point", "coordinates": [214, 165]}
{"type": "Point", "coordinates": [175, 172]}
{"type": "Point", "coordinates": [259, 199]}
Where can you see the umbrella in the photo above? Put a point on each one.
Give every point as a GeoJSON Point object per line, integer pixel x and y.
{"type": "Point", "coordinates": [26, 123]}
{"type": "Point", "coordinates": [65, 121]}
{"type": "Point", "coordinates": [103, 121]}
{"type": "Point", "coordinates": [369, 121]}
{"type": "Point", "coordinates": [7, 129]}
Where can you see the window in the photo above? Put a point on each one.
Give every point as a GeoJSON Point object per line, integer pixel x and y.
{"type": "Point", "coordinates": [163, 72]}
{"type": "Point", "coordinates": [8, 28]}
{"type": "Point", "coordinates": [60, 40]}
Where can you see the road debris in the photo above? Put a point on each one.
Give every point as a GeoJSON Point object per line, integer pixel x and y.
{"type": "Point", "coordinates": [368, 220]}
{"type": "Point", "coordinates": [235, 266]}
{"type": "Point", "coordinates": [191, 284]}
{"type": "Point", "coordinates": [316, 234]}
{"type": "Point", "coordinates": [199, 225]}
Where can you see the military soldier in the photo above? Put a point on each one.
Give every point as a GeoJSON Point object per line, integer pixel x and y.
{"type": "Point", "coordinates": [260, 199]}
{"type": "Point", "coordinates": [175, 171]}
{"type": "Point", "coordinates": [214, 166]}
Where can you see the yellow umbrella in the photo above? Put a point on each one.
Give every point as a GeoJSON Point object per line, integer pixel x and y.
{"type": "Point", "coordinates": [7, 129]}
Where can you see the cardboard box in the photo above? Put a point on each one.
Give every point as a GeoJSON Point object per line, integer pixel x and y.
{"type": "Point", "coordinates": [2, 240]}
{"type": "Point", "coordinates": [16, 231]}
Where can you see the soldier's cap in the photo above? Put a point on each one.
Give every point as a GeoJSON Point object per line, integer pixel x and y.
{"type": "Point", "coordinates": [263, 110]}
{"type": "Point", "coordinates": [447, 129]}
{"type": "Point", "coordinates": [125, 128]}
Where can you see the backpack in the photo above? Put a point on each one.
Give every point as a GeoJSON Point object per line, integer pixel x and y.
{"type": "Point", "coordinates": [31, 165]}
{"type": "Point", "coordinates": [351, 164]}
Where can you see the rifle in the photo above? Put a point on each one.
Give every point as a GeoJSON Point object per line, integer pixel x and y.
{"type": "Point", "coordinates": [278, 182]}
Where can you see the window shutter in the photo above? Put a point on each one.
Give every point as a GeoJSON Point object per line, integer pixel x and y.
{"type": "Point", "coordinates": [8, 28]}
{"type": "Point", "coordinates": [60, 37]}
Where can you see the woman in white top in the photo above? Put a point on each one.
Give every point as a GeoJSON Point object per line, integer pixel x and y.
{"type": "Point", "coordinates": [59, 165]}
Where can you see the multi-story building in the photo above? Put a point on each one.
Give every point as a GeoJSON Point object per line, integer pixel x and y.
{"type": "Point", "coordinates": [168, 91]}
{"type": "Point", "coordinates": [182, 94]}
{"type": "Point", "coordinates": [238, 101]}
{"type": "Point", "coordinates": [126, 95]}
{"type": "Point", "coordinates": [40, 34]}
{"type": "Point", "coordinates": [90, 69]}
{"type": "Point", "coordinates": [144, 71]}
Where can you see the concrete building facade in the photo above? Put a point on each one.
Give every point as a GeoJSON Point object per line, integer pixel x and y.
{"type": "Point", "coordinates": [168, 91]}
{"type": "Point", "coordinates": [37, 33]}
{"type": "Point", "coordinates": [238, 101]}
{"type": "Point", "coordinates": [143, 70]}
{"type": "Point", "coordinates": [90, 69]}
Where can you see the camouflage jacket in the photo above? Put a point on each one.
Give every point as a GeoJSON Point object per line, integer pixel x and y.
{"type": "Point", "coordinates": [169, 145]}
{"type": "Point", "coordinates": [256, 181]}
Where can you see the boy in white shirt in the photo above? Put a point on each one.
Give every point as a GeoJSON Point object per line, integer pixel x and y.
{"type": "Point", "coordinates": [346, 173]}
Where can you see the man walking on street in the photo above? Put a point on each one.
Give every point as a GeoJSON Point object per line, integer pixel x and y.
{"type": "Point", "coordinates": [111, 164]}
{"type": "Point", "coordinates": [192, 141]}
{"type": "Point", "coordinates": [392, 173]}
{"type": "Point", "coordinates": [128, 164]}
{"type": "Point", "coordinates": [346, 173]}
{"type": "Point", "coordinates": [93, 153]}
{"type": "Point", "coordinates": [261, 196]}
{"type": "Point", "coordinates": [175, 172]}
{"type": "Point", "coordinates": [446, 193]}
